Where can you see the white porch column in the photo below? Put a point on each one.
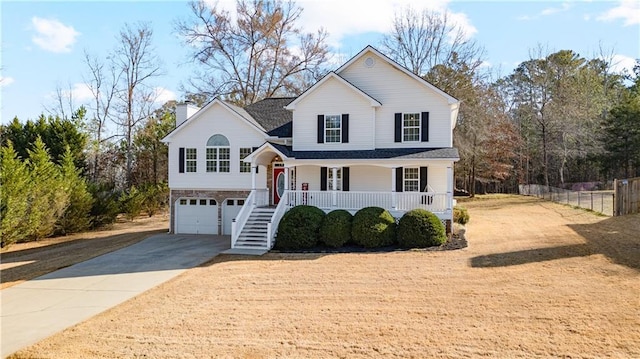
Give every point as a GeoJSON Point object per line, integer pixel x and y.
{"type": "Point", "coordinates": [450, 180]}
{"type": "Point", "coordinates": [286, 176]}
{"type": "Point", "coordinates": [394, 196]}
{"type": "Point", "coordinates": [253, 176]}
{"type": "Point", "coordinates": [334, 170]}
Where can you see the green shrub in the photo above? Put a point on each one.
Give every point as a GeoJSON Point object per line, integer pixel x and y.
{"type": "Point", "coordinates": [420, 228]}
{"type": "Point", "coordinates": [373, 227]}
{"type": "Point", "coordinates": [155, 197]}
{"type": "Point", "coordinates": [460, 215]}
{"type": "Point", "coordinates": [105, 207]}
{"type": "Point", "coordinates": [300, 228]}
{"type": "Point", "coordinates": [336, 228]}
{"type": "Point", "coordinates": [132, 202]}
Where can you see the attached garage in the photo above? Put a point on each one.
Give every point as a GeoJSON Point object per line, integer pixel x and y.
{"type": "Point", "coordinates": [196, 216]}
{"type": "Point", "coordinates": [230, 210]}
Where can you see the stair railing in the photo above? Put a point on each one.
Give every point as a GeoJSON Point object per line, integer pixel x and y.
{"type": "Point", "coordinates": [272, 226]}
{"type": "Point", "coordinates": [241, 218]}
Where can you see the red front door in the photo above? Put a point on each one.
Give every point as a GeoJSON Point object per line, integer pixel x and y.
{"type": "Point", "coordinates": [278, 183]}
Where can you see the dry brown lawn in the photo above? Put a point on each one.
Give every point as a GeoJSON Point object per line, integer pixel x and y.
{"type": "Point", "coordinates": [538, 280]}
{"type": "Point", "coordinates": [24, 261]}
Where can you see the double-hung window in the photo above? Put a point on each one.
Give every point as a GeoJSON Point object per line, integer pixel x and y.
{"type": "Point", "coordinates": [333, 129]}
{"type": "Point", "coordinates": [245, 167]}
{"type": "Point", "coordinates": [411, 179]}
{"type": "Point", "coordinates": [218, 154]}
{"type": "Point", "coordinates": [191, 159]}
{"type": "Point", "coordinates": [411, 127]}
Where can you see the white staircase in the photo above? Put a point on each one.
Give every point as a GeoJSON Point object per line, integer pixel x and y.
{"type": "Point", "coordinates": [254, 232]}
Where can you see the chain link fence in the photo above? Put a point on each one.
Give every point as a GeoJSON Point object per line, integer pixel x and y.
{"type": "Point", "coordinates": [597, 201]}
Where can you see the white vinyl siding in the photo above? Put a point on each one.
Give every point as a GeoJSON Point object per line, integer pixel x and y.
{"type": "Point", "coordinates": [215, 120]}
{"type": "Point", "coordinates": [398, 92]}
{"type": "Point", "coordinates": [333, 98]}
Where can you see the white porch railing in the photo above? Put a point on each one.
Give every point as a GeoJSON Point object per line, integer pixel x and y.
{"type": "Point", "coordinates": [262, 197]}
{"type": "Point", "coordinates": [241, 218]}
{"type": "Point", "coordinates": [353, 200]}
{"type": "Point", "coordinates": [272, 226]}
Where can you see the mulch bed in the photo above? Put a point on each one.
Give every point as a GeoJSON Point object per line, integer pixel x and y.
{"type": "Point", "coordinates": [456, 242]}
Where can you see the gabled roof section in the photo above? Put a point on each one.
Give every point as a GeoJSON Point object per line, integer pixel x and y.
{"type": "Point", "coordinates": [450, 99]}
{"type": "Point", "coordinates": [271, 114]}
{"type": "Point", "coordinates": [235, 110]}
{"type": "Point", "coordinates": [333, 75]}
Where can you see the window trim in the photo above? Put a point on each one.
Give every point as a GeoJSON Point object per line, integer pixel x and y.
{"type": "Point", "coordinates": [191, 164]}
{"type": "Point", "coordinates": [327, 118]}
{"type": "Point", "coordinates": [215, 163]}
{"type": "Point", "coordinates": [245, 167]}
{"type": "Point", "coordinates": [406, 180]}
{"type": "Point", "coordinates": [418, 127]}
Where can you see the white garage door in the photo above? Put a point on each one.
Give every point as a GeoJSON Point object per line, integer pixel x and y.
{"type": "Point", "coordinates": [229, 211]}
{"type": "Point", "coordinates": [197, 216]}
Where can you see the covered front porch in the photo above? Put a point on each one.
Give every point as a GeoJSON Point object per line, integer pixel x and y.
{"type": "Point", "coordinates": [398, 185]}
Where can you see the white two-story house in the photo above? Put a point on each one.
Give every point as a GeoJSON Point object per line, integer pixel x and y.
{"type": "Point", "coordinates": [371, 133]}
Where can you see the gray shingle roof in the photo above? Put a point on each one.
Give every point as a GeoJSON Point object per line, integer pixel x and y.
{"type": "Point", "coordinates": [380, 153]}
{"type": "Point", "coordinates": [271, 115]}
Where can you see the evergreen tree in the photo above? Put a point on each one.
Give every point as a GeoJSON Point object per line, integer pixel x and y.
{"type": "Point", "coordinates": [76, 217]}
{"type": "Point", "coordinates": [14, 196]}
{"type": "Point", "coordinates": [48, 198]}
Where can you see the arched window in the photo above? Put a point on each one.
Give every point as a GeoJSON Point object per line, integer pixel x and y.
{"type": "Point", "coordinates": [218, 154]}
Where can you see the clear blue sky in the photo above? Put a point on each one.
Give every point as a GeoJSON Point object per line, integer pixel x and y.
{"type": "Point", "coordinates": [43, 42]}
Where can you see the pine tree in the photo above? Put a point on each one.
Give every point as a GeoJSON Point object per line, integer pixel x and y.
{"type": "Point", "coordinates": [76, 216]}
{"type": "Point", "coordinates": [48, 198]}
{"type": "Point", "coordinates": [14, 196]}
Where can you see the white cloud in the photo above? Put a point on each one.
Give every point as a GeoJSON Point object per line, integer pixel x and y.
{"type": "Point", "coordinates": [6, 81]}
{"type": "Point", "coordinates": [163, 95]}
{"type": "Point", "coordinates": [565, 6]}
{"type": "Point", "coordinates": [554, 10]}
{"type": "Point", "coordinates": [622, 64]}
{"type": "Point", "coordinates": [627, 10]}
{"type": "Point", "coordinates": [52, 35]}
{"type": "Point", "coordinates": [79, 93]}
{"type": "Point", "coordinates": [357, 16]}
{"type": "Point", "coordinates": [362, 16]}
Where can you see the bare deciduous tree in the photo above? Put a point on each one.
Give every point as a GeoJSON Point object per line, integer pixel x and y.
{"type": "Point", "coordinates": [420, 40]}
{"type": "Point", "coordinates": [259, 53]}
{"type": "Point", "coordinates": [102, 80]}
{"type": "Point", "coordinates": [135, 57]}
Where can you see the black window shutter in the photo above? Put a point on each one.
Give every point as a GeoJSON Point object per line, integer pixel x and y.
{"type": "Point", "coordinates": [424, 136]}
{"type": "Point", "coordinates": [181, 160]}
{"type": "Point", "coordinates": [423, 179]}
{"type": "Point", "coordinates": [257, 168]}
{"type": "Point", "coordinates": [345, 179]}
{"type": "Point", "coordinates": [320, 128]}
{"type": "Point", "coordinates": [323, 178]}
{"type": "Point", "coordinates": [345, 128]}
{"type": "Point", "coordinates": [399, 179]}
{"type": "Point", "coordinates": [398, 127]}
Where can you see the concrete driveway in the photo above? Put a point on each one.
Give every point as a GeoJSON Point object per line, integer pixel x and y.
{"type": "Point", "coordinates": [43, 306]}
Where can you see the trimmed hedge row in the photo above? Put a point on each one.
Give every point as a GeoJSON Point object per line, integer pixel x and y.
{"type": "Point", "coordinates": [305, 227]}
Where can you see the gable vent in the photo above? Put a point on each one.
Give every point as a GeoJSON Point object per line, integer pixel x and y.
{"type": "Point", "coordinates": [369, 61]}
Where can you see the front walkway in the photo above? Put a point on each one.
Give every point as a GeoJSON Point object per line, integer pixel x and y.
{"type": "Point", "coordinates": [36, 309]}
